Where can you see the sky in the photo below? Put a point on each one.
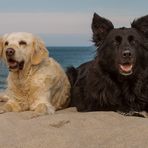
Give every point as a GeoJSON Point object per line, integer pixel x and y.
{"type": "Point", "coordinates": [66, 22]}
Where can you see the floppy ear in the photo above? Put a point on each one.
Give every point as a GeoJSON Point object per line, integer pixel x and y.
{"type": "Point", "coordinates": [141, 25]}
{"type": "Point", "coordinates": [1, 47]}
{"type": "Point", "coordinates": [100, 28]}
{"type": "Point", "coordinates": [39, 52]}
{"type": "Point", "coordinates": [2, 41]}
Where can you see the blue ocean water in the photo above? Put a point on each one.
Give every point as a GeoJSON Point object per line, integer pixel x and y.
{"type": "Point", "coordinates": [66, 56]}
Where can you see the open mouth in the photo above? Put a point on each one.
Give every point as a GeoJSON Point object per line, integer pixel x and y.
{"type": "Point", "coordinates": [13, 64]}
{"type": "Point", "coordinates": [126, 69]}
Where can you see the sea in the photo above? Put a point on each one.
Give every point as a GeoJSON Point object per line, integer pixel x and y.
{"type": "Point", "coordinates": [66, 56]}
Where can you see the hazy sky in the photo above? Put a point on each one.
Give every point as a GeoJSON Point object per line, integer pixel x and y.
{"type": "Point", "coordinates": [66, 22]}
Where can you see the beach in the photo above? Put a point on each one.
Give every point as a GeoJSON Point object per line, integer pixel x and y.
{"type": "Point", "coordinates": [70, 129]}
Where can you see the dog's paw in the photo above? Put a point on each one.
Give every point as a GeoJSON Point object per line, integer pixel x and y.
{"type": "Point", "coordinates": [144, 114]}
{"type": "Point", "coordinates": [132, 113]}
{"type": "Point", "coordinates": [136, 114]}
{"type": "Point", "coordinates": [5, 108]}
{"type": "Point", "coordinates": [41, 109]}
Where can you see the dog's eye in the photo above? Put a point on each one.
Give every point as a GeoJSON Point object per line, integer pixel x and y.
{"type": "Point", "coordinates": [22, 43]}
{"type": "Point", "coordinates": [6, 43]}
{"type": "Point", "coordinates": [131, 39]}
{"type": "Point", "coordinates": [118, 39]}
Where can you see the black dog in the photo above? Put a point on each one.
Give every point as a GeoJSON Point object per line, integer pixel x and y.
{"type": "Point", "coordinates": [117, 79]}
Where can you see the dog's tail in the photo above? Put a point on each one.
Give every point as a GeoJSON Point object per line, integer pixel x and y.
{"type": "Point", "coordinates": [72, 75]}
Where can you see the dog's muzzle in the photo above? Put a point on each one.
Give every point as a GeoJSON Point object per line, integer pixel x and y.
{"type": "Point", "coordinates": [126, 66]}
{"type": "Point", "coordinates": [12, 63]}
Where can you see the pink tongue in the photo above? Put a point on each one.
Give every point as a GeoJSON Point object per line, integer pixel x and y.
{"type": "Point", "coordinates": [12, 64]}
{"type": "Point", "coordinates": [126, 68]}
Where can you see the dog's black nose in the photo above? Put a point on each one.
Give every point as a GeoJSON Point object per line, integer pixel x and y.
{"type": "Point", "coordinates": [127, 54]}
{"type": "Point", "coordinates": [10, 51]}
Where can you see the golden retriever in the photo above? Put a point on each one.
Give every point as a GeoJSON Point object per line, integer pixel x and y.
{"type": "Point", "coordinates": [36, 81]}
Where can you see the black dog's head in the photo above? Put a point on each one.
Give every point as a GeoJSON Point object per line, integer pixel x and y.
{"type": "Point", "coordinates": [121, 50]}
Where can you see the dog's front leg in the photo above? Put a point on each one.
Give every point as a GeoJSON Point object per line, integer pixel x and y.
{"type": "Point", "coordinates": [42, 105]}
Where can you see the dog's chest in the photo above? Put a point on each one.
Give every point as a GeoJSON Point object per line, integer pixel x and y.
{"type": "Point", "coordinates": [20, 88]}
{"type": "Point", "coordinates": [23, 86]}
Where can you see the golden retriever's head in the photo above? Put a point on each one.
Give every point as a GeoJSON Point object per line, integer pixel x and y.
{"type": "Point", "coordinates": [22, 49]}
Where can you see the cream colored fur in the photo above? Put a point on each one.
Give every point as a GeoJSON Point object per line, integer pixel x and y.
{"type": "Point", "coordinates": [42, 85]}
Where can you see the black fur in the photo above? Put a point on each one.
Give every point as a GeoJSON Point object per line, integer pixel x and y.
{"type": "Point", "coordinates": [108, 83]}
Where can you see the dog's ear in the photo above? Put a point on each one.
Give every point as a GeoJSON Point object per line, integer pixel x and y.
{"type": "Point", "coordinates": [141, 25]}
{"type": "Point", "coordinates": [39, 52]}
{"type": "Point", "coordinates": [2, 42]}
{"type": "Point", "coordinates": [1, 47]}
{"type": "Point", "coordinates": [100, 28]}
